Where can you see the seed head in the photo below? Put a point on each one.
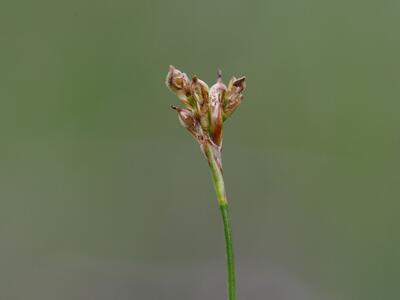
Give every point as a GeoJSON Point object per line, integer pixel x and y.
{"type": "Point", "coordinates": [199, 90]}
{"type": "Point", "coordinates": [234, 95]}
{"type": "Point", "coordinates": [206, 108]}
{"type": "Point", "coordinates": [178, 83]}
{"type": "Point", "coordinates": [188, 120]}
{"type": "Point", "coordinates": [217, 94]}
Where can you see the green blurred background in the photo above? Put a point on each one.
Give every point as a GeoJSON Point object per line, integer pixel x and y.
{"type": "Point", "coordinates": [104, 196]}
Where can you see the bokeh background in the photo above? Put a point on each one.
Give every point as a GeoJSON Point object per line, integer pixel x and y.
{"type": "Point", "coordinates": [104, 196]}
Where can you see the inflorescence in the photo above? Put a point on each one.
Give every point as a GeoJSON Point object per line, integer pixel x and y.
{"type": "Point", "coordinates": [205, 109]}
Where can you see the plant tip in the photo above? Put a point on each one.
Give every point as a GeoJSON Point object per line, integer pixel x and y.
{"type": "Point", "coordinates": [219, 74]}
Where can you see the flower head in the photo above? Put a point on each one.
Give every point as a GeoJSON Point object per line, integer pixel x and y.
{"type": "Point", "coordinates": [205, 108]}
{"type": "Point", "coordinates": [178, 83]}
{"type": "Point", "coordinates": [234, 95]}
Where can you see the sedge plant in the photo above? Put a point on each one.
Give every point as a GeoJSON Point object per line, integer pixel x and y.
{"type": "Point", "coordinates": [204, 112]}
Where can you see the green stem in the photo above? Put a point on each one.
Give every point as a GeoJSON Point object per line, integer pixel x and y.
{"type": "Point", "coordinates": [229, 252]}
{"type": "Point", "coordinates": [219, 186]}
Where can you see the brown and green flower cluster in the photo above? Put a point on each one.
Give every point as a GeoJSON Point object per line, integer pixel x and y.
{"type": "Point", "coordinates": [205, 109]}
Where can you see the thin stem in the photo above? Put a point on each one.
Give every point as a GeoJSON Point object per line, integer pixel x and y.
{"type": "Point", "coordinates": [229, 252]}
{"type": "Point", "coordinates": [219, 186]}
